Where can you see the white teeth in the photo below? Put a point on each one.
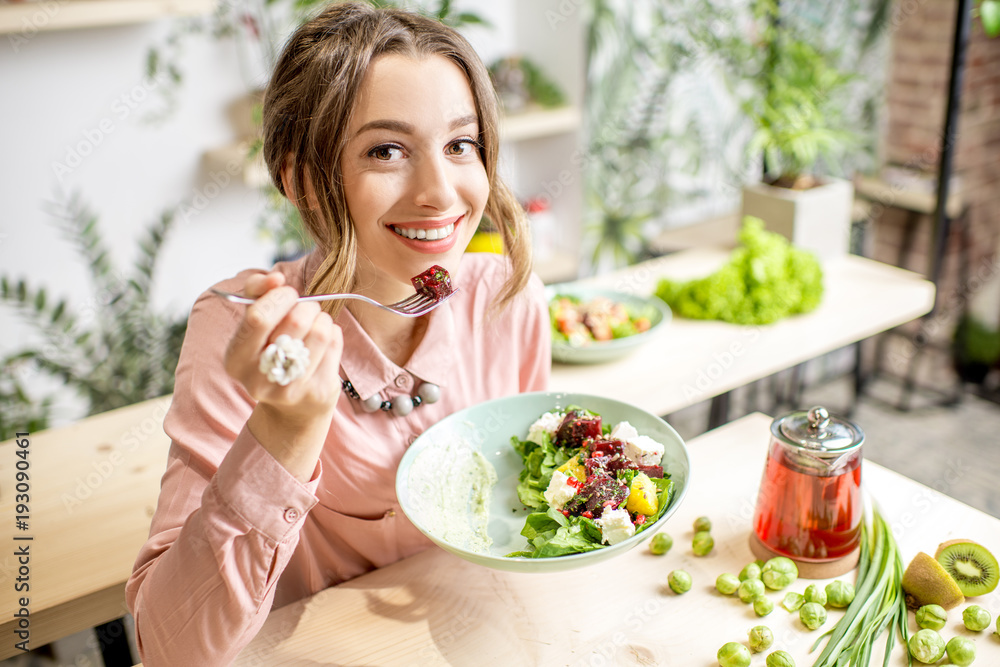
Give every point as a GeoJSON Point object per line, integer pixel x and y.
{"type": "Point", "coordinates": [426, 234]}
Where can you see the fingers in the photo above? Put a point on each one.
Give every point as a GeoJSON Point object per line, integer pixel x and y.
{"type": "Point", "coordinates": [260, 320]}
{"type": "Point", "coordinates": [325, 342]}
{"type": "Point", "coordinates": [277, 312]}
{"type": "Point", "coordinates": [262, 283]}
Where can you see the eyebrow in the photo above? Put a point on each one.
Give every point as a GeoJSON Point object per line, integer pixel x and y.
{"type": "Point", "coordinates": [406, 128]}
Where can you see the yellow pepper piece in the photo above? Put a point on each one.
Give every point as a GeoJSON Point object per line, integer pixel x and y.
{"type": "Point", "coordinates": [574, 467]}
{"type": "Point", "coordinates": [642, 496]}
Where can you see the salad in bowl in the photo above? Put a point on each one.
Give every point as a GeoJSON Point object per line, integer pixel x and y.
{"type": "Point", "coordinates": [475, 483]}
{"type": "Point", "coordinates": [593, 325]}
{"type": "Point", "coordinates": [590, 484]}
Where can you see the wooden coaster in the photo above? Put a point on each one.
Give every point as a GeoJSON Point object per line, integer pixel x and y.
{"type": "Point", "coordinates": [809, 569]}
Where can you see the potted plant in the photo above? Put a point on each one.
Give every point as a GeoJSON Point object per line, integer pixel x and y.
{"type": "Point", "coordinates": [975, 349]}
{"type": "Point", "coordinates": [799, 121]}
{"type": "Point", "coordinates": [113, 349]}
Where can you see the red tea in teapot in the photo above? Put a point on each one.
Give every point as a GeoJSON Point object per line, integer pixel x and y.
{"type": "Point", "coordinates": [809, 506]}
{"type": "Point", "coordinates": [807, 516]}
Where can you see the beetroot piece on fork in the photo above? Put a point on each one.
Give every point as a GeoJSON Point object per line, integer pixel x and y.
{"type": "Point", "coordinates": [434, 282]}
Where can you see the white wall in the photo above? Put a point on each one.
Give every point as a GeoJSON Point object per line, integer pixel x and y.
{"type": "Point", "coordinates": [75, 119]}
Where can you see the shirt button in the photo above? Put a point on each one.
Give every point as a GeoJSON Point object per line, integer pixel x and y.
{"type": "Point", "coordinates": [390, 513]}
{"type": "Point", "coordinates": [402, 381]}
{"type": "Point", "coordinates": [291, 515]}
{"type": "Point", "coordinates": [411, 440]}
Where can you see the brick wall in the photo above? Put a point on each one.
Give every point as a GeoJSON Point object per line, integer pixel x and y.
{"type": "Point", "coordinates": [922, 32]}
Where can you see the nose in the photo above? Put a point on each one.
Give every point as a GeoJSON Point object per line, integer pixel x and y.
{"type": "Point", "coordinates": [434, 185]}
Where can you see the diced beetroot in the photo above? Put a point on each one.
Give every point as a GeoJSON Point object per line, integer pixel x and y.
{"type": "Point", "coordinates": [602, 447]}
{"type": "Point", "coordinates": [612, 464]}
{"type": "Point", "coordinates": [652, 471]}
{"type": "Point", "coordinates": [600, 490]}
{"type": "Point", "coordinates": [576, 429]}
{"type": "Point", "coordinates": [434, 282]}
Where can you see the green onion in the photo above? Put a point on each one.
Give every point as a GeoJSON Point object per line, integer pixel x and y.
{"type": "Point", "coordinates": [879, 604]}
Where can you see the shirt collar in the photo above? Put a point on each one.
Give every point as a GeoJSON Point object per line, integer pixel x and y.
{"type": "Point", "coordinates": [370, 371]}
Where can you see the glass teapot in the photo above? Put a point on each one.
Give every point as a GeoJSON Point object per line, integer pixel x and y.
{"type": "Point", "coordinates": [809, 506]}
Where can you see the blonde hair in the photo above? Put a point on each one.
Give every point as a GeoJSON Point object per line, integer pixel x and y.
{"type": "Point", "coordinates": [308, 105]}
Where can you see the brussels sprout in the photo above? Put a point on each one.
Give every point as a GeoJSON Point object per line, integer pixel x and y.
{"type": "Point", "coordinates": [702, 543]}
{"type": "Point", "coordinates": [812, 615]}
{"type": "Point", "coordinates": [750, 571]}
{"type": "Point", "coordinates": [761, 638]}
{"type": "Point", "coordinates": [976, 618]}
{"type": "Point", "coordinates": [660, 544]}
{"type": "Point", "coordinates": [961, 651]}
{"type": "Point", "coordinates": [779, 572]}
{"type": "Point", "coordinates": [814, 593]}
{"type": "Point", "coordinates": [702, 523]}
{"type": "Point", "coordinates": [839, 594]}
{"type": "Point", "coordinates": [733, 654]}
{"type": "Point", "coordinates": [749, 589]}
{"type": "Point", "coordinates": [931, 617]}
{"type": "Point", "coordinates": [780, 659]}
{"type": "Point", "coordinates": [727, 583]}
{"type": "Point", "coordinates": [762, 606]}
{"type": "Point", "coordinates": [926, 646]}
{"type": "Point", "coordinates": [679, 581]}
{"type": "Point", "coordinates": [793, 601]}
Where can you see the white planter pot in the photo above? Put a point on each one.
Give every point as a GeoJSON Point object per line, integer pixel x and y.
{"type": "Point", "coordinates": [818, 219]}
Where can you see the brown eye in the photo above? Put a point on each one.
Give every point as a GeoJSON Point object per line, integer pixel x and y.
{"type": "Point", "coordinates": [384, 153]}
{"type": "Point", "coordinates": [463, 147]}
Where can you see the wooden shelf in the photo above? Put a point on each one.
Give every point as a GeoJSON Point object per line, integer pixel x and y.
{"type": "Point", "coordinates": [29, 17]}
{"type": "Point", "coordinates": [538, 123]}
{"type": "Point", "coordinates": [233, 159]}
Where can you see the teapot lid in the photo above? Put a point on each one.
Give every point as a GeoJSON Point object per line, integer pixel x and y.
{"type": "Point", "coordinates": [818, 431]}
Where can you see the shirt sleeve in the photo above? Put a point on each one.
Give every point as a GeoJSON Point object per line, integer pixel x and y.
{"type": "Point", "coordinates": [536, 356]}
{"type": "Point", "coordinates": [227, 519]}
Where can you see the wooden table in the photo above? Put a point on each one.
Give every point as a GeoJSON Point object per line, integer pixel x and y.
{"type": "Point", "coordinates": [95, 484]}
{"type": "Point", "coordinates": [694, 360]}
{"type": "Point", "coordinates": [93, 491]}
{"type": "Point", "coordinates": [437, 609]}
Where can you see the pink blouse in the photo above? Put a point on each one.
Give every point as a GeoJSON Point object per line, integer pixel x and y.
{"type": "Point", "coordinates": [234, 534]}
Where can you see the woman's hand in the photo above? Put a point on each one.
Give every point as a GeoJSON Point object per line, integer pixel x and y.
{"type": "Point", "coordinates": [290, 421]}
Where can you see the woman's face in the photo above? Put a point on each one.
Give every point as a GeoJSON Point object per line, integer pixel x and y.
{"type": "Point", "coordinates": [415, 185]}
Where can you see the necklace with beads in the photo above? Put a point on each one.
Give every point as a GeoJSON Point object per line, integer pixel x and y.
{"type": "Point", "coordinates": [399, 406]}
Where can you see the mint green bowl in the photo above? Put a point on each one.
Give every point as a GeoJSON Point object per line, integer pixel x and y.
{"type": "Point", "coordinates": [487, 428]}
{"type": "Point", "coordinates": [597, 352]}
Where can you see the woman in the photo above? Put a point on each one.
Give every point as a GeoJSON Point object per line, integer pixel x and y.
{"type": "Point", "coordinates": [381, 126]}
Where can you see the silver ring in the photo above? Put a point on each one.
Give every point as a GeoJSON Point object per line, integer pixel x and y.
{"type": "Point", "coordinates": [285, 360]}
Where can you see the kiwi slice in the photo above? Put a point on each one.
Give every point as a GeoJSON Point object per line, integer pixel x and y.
{"type": "Point", "coordinates": [927, 582]}
{"type": "Point", "coordinates": [971, 565]}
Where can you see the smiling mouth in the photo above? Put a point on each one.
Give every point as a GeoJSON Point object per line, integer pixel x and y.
{"type": "Point", "coordinates": [433, 234]}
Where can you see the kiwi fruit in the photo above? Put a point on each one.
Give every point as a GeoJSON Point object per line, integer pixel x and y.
{"type": "Point", "coordinates": [927, 582]}
{"type": "Point", "coordinates": [971, 565]}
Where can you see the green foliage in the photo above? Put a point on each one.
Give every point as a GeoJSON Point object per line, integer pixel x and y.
{"type": "Point", "coordinates": [989, 13]}
{"type": "Point", "coordinates": [800, 116]}
{"type": "Point", "coordinates": [765, 279]}
{"type": "Point", "coordinates": [113, 349]}
{"type": "Point", "coordinates": [975, 342]}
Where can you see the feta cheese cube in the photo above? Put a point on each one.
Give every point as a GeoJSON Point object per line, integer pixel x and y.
{"type": "Point", "coordinates": [639, 449]}
{"type": "Point", "coordinates": [643, 451]}
{"type": "Point", "coordinates": [547, 423]}
{"type": "Point", "coordinates": [616, 526]}
{"type": "Point", "coordinates": [559, 490]}
{"type": "Point", "coordinates": [624, 431]}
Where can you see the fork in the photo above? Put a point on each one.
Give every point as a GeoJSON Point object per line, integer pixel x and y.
{"type": "Point", "coordinates": [413, 306]}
